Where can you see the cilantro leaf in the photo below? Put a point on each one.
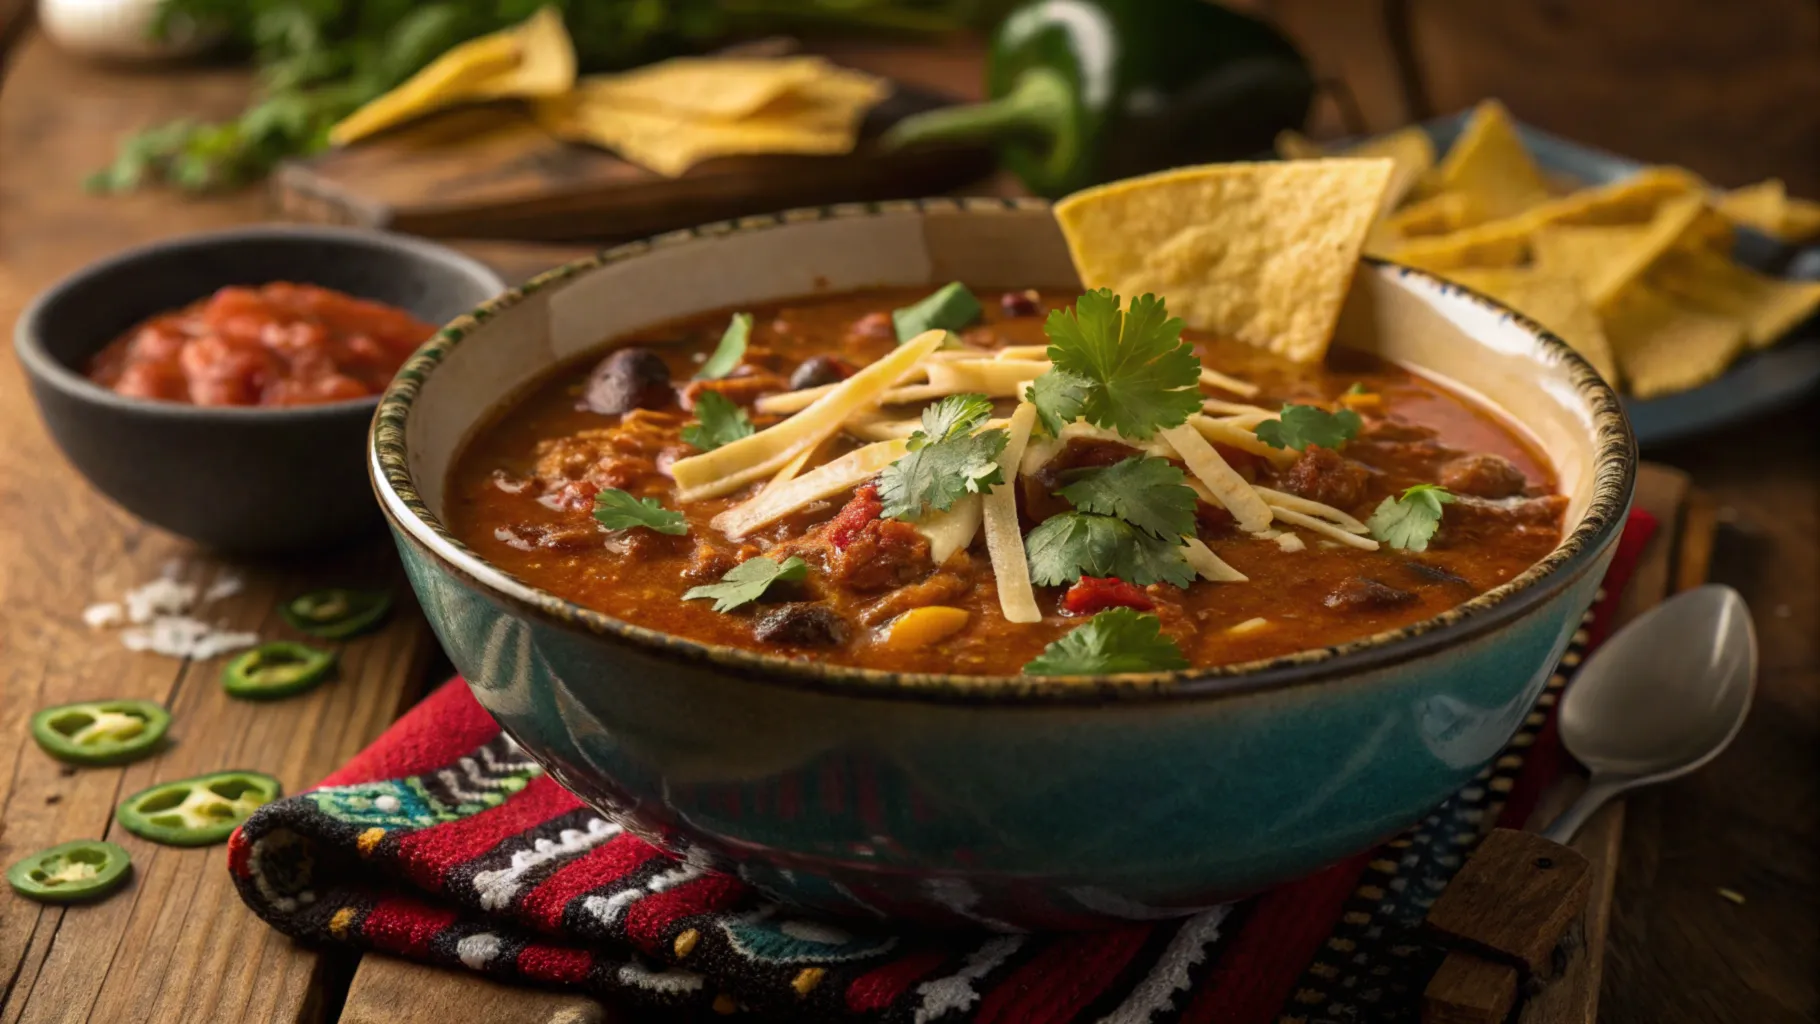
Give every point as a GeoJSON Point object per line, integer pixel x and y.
{"type": "Point", "coordinates": [1358, 388]}
{"type": "Point", "coordinates": [947, 460]}
{"type": "Point", "coordinates": [718, 421]}
{"type": "Point", "coordinates": [1139, 374]}
{"type": "Point", "coordinates": [748, 581]}
{"type": "Point", "coordinates": [949, 308]}
{"type": "Point", "coordinates": [1116, 640]}
{"type": "Point", "coordinates": [616, 510]}
{"type": "Point", "coordinates": [730, 351]}
{"type": "Point", "coordinates": [1065, 547]}
{"type": "Point", "coordinates": [1409, 522]}
{"type": "Point", "coordinates": [1299, 426]}
{"type": "Point", "coordinates": [1146, 492]}
{"type": "Point", "coordinates": [1060, 397]}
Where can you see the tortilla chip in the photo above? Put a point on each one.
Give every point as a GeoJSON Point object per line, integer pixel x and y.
{"type": "Point", "coordinates": [1710, 282]}
{"type": "Point", "coordinates": [1553, 301]}
{"type": "Point", "coordinates": [1437, 215]}
{"type": "Point", "coordinates": [1606, 258]}
{"type": "Point", "coordinates": [1489, 163]}
{"type": "Point", "coordinates": [1261, 252]}
{"type": "Point", "coordinates": [1800, 220]}
{"type": "Point", "coordinates": [1758, 206]}
{"type": "Point", "coordinates": [1293, 145]}
{"type": "Point", "coordinates": [1410, 148]}
{"type": "Point", "coordinates": [710, 87]}
{"type": "Point", "coordinates": [533, 59]}
{"type": "Point", "coordinates": [1664, 347]}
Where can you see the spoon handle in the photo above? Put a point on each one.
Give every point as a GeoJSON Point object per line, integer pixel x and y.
{"type": "Point", "coordinates": [1597, 793]}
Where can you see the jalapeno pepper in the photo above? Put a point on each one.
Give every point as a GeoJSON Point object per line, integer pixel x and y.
{"type": "Point", "coordinates": [336, 613]}
{"type": "Point", "coordinates": [86, 869]}
{"type": "Point", "coordinates": [102, 731]}
{"type": "Point", "coordinates": [1085, 91]}
{"type": "Point", "coordinates": [277, 669]}
{"type": "Point", "coordinates": [198, 811]}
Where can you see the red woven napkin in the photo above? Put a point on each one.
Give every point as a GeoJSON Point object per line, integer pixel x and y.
{"type": "Point", "coordinates": [444, 843]}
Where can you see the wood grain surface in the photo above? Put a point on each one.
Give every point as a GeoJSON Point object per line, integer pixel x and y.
{"type": "Point", "coordinates": [1678, 951]}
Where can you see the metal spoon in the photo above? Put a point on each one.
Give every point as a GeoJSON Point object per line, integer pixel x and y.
{"type": "Point", "coordinates": [1661, 698]}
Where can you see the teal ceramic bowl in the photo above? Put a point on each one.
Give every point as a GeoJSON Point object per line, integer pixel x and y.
{"type": "Point", "coordinates": [1004, 802]}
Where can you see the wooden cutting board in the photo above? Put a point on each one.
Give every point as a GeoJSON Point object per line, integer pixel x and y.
{"type": "Point", "coordinates": [489, 172]}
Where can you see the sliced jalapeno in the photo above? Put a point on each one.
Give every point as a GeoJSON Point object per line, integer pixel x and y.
{"type": "Point", "coordinates": [101, 731]}
{"type": "Point", "coordinates": [336, 613]}
{"type": "Point", "coordinates": [198, 811]}
{"type": "Point", "coordinates": [275, 670]}
{"type": "Point", "coordinates": [86, 869]}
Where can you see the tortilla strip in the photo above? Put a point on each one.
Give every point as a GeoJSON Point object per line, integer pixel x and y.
{"type": "Point", "coordinates": [1004, 536]}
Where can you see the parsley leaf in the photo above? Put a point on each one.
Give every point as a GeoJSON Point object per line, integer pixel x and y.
{"type": "Point", "coordinates": [1116, 640]}
{"type": "Point", "coordinates": [950, 308]}
{"type": "Point", "coordinates": [1146, 492]}
{"type": "Point", "coordinates": [1065, 547]}
{"type": "Point", "coordinates": [730, 351]}
{"type": "Point", "coordinates": [616, 510]}
{"type": "Point", "coordinates": [1136, 373]}
{"type": "Point", "coordinates": [718, 421]}
{"type": "Point", "coordinates": [1299, 426]}
{"type": "Point", "coordinates": [947, 460]}
{"type": "Point", "coordinates": [748, 581]}
{"type": "Point", "coordinates": [1409, 522]}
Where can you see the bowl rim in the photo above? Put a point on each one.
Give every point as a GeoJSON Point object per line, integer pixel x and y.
{"type": "Point", "coordinates": [1614, 461]}
{"type": "Point", "coordinates": [29, 341]}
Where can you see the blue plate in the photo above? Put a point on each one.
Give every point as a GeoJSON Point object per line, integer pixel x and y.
{"type": "Point", "coordinates": [1760, 383]}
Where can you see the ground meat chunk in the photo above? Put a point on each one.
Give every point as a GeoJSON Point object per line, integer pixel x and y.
{"type": "Point", "coordinates": [1469, 519]}
{"type": "Point", "coordinates": [1326, 476]}
{"type": "Point", "coordinates": [801, 624]}
{"type": "Point", "coordinates": [708, 564]}
{"type": "Point", "coordinates": [631, 378]}
{"type": "Point", "coordinates": [741, 390]}
{"type": "Point", "coordinates": [1362, 593]}
{"type": "Point", "coordinates": [570, 470]}
{"type": "Point", "coordinates": [820, 371]}
{"type": "Point", "coordinates": [881, 555]}
{"type": "Point", "coordinates": [1483, 476]}
{"type": "Point", "coordinates": [1212, 521]}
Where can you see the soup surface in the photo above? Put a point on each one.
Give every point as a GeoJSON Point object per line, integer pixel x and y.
{"type": "Point", "coordinates": [523, 492]}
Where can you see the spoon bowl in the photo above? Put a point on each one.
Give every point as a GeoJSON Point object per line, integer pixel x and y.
{"type": "Point", "coordinates": [1664, 696]}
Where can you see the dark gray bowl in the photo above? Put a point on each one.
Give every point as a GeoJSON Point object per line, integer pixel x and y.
{"type": "Point", "coordinates": [247, 480]}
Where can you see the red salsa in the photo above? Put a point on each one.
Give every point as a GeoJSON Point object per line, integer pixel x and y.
{"type": "Point", "coordinates": [523, 495]}
{"type": "Point", "coordinates": [276, 344]}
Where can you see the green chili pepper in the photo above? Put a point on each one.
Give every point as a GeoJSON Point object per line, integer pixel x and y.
{"type": "Point", "coordinates": [197, 811]}
{"type": "Point", "coordinates": [101, 732]}
{"type": "Point", "coordinates": [277, 669]}
{"type": "Point", "coordinates": [1088, 91]}
{"type": "Point", "coordinates": [336, 613]}
{"type": "Point", "coordinates": [86, 869]}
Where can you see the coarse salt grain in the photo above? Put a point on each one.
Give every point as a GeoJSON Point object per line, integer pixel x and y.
{"type": "Point", "coordinates": [107, 613]}
{"type": "Point", "coordinates": [179, 636]}
{"type": "Point", "coordinates": [163, 596]}
{"type": "Point", "coordinates": [226, 584]}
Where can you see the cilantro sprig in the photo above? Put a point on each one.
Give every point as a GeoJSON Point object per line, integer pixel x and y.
{"type": "Point", "coordinates": [947, 459]}
{"type": "Point", "coordinates": [1299, 426]}
{"type": "Point", "coordinates": [718, 421]}
{"type": "Point", "coordinates": [748, 581]}
{"type": "Point", "coordinates": [1149, 493]}
{"type": "Point", "coordinates": [1116, 640]}
{"type": "Point", "coordinates": [1067, 546]}
{"type": "Point", "coordinates": [1408, 523]}
{"type": "Point", "coordinates": [730, 351]}
{"type": "Point", "coordinates": [616, 510]}
{"type": "Point", "coordinates": [1127, 371]}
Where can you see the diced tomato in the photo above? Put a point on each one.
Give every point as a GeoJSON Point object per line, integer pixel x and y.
{"type": "Point", "coordinates": [862, 509]}
{"type": "Point", "coordinates": [1091, 594]}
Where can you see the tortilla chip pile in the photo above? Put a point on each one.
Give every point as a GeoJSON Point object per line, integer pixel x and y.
{"type": "Point", "coordinates": [667, 117]}
{"type": "Point", "coordinates": [1636, 275]}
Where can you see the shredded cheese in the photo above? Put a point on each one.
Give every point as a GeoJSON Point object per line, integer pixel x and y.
{"type": "Point", "coordinates": [730, 467]}
{"type": "Point", "coordinates": [1248, 626]}
{"type": "Point", "coordinates": [882, 429]}
{"type": "Point", "coordinates": [1209, 564]}
{"type": "Point", "coordinates": [1232, 490]}
{"type": "Point", "coordinates": [953, 530]}
{"type": "Point", "coordinates": [1325, 529]}
{"type": "Point", "coordinates": [1297, 503]}
{"type": "Point", "coordinates": [1004, 537]}
{"type": "Point", "coordinates": [1216, 379]}
{"type": "Point", "coordinates": [790, 470]}
{"type": "Point", "coordinates": [844, 473]}
{"type": "Point", "coordinates": [786, 402]}
{"type": "Point", "coordinates": [1024, 352]}
{"type": "Point", "coordinates": [1233, 435]}
{"type": "Point", "coordinates": [992, 377]}
{"type": "Point", "coordinates": [1236, 409]}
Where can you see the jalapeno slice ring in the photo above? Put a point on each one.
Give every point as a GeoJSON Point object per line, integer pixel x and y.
{"type": "Point", "coordinates": [197, 811]}
{"type": "Point", "coordinates": [275, 670]}
{"type": "Point", "coordinates": [86, 869]}
{"type": "Point", "coordinates": [337, 612]}
{"type": "Point", "coordinates": [101, 731]}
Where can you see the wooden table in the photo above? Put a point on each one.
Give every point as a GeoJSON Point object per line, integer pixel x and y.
{"type": "Point", "coordinates": [179, 946]}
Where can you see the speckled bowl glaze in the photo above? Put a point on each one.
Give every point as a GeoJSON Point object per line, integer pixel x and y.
{"type": "Point", "coordinates": [1004, 802]}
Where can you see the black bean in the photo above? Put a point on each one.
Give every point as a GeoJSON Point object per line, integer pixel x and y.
{"type": "Point", "coordinates": [1360, 593]}
{"type": "Point", "coordinates": [1017, 304]}
{"type": "Point", "coordinates": [817, 371]}
{"type": "Point", "coordinates": [801, 624]}
{"type": "Point", "coordinates": [631, 378]}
